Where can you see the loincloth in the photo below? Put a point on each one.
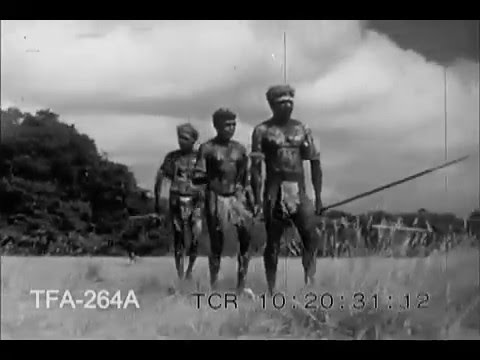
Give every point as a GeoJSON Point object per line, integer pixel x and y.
{"type": "Point", "coordinates": [185, 210]}
{"type": "Point", "coordinates": [288, 200]}
{"type": "Point", "coordinates": [230, 210]}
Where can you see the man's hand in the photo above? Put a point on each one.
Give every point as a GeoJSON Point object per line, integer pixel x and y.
{"type": "Point", "coordinates": [257, 210]}
{"type": "Point", "coordinates": [318, 206]}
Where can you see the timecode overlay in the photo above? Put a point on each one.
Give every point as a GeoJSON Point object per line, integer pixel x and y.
{"type": "Point", "coordinates": [313, 301]}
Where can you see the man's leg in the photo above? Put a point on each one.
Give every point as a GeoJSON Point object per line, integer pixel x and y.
{"type": "Point", "coordinates": [244, 237]}
{"type": "Point", "coordinates": [196, 230]}
{"type": "Point", "coordinates": [178, 243]}
{"type": "Point", "coordinates": [179, 252]}
{"type": "Point", "coordinates": [216, 240]}
{"type": "Point", "coordinates": [304, 220]}
{"type": "Point", "coordinates": [274, 229]}
{"type": "Point", "coordinates": [192, 256]}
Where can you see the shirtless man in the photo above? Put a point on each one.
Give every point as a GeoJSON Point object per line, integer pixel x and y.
{"type": "Point", "coordinates": [421, 221]}
{"type": "Point", "coordinates": [185, 200]}
{"type": "Point", "coordinates": [284, 143]}
{"type": "Point", "coordinates": [222, 165]}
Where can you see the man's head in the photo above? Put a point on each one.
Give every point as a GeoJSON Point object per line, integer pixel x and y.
{"type": "Point", "coordinates": [422, 211]}
{"type": "Point", "coordinates": [187, 136]}
{"type": "Point", "coordinates": [225, 123]}
{"type": "Point", "coordinates": [280, 99]}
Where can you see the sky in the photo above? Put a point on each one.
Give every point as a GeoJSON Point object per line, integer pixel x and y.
{"type": "Point", "coordinates": [373, 92]}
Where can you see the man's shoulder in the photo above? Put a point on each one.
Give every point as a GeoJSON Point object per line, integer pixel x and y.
{"type": "Point", "coordinates": [172, 155]}
{"type": "Point", "coordinates": [298, 124]}
{"type": "Point", "coordinates": [206, 144]}
{"type": "Point", "coordinates": [264, 125]}
{"type": "Point", "coordinates": [238, 145]}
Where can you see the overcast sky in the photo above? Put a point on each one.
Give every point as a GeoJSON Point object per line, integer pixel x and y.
{"type": "Point", "coordinates": [372, 91]}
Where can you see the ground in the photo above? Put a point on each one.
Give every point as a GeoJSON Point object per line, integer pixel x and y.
{"type": "Point", "coordinates": [168, 309]}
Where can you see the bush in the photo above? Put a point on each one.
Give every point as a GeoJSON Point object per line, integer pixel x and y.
{"type": "Point", "coordinates": [52, 172]}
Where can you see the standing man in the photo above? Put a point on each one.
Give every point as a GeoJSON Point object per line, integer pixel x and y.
{"type": "Point", "coordinates": [222, 165]}
{"type": "Point", "coordinates": [473, 225]}
{"type": "Point", "coordinates": [284, 143]}
{"type": "Point", "coordinates": [421, 221]}
{"type": "Point", "coordinates": [185, 199]}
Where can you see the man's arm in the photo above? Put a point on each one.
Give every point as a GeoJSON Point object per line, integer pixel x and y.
{"type": "Point", "coordinates": [165, 171]}
{"type": "Point", "coordinates": [257, 157]}
{"type": "Point", "coordinates": [317, 178]}
{"type": "Point", "coordinates": [158, 188]}
{"type": "Point", "coordinates": [242, 169]}
{"type": "Point", "coordinates": [311, 153]}
{"type": "Point", "coordinates": [244, 181]}
{"type": "Point", "coordinates": [200, 170]}
{"type": "Point", "coordinates": [429, 227]}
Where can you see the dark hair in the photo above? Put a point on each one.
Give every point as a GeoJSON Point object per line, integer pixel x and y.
{"type": "Point", "coordinates": [188, 129]}
{"type": "Point", "coordinates": [221, 115]}
{"type": "Point", "coordinates": [276, 91]}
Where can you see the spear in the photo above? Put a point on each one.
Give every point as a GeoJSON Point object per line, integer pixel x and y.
{"type": "Point", "coordinates": [394, 183]}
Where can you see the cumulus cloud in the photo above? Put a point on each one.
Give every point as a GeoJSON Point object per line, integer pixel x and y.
{"type": "Point", "coordinates": [376, 110]}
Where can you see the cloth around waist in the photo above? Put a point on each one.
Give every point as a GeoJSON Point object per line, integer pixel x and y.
{"type": "Point", "coordinates": [191, 194]}
{"type": "Point", "coordinates": [224, 190]}
{"type": "Point", "coordinates": [276, 176]}
{"type": "Point", "coordinates": [221, 194]}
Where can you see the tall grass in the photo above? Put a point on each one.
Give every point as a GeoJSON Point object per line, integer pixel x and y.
{"type": "Point", "coordinates": [168, 309]}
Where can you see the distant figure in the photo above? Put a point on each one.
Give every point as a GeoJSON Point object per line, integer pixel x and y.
{"type": "Point", "coordinates": [284, 143]}
{"type": "Point", "coordinates": [346, 237]}
{"type": "Point", "coordinates": [357, 222]}
{"type": "Point", "coordinates": [473, 225]}
{"type": "Point", "coordinates": [384, 234]}
{"type": "Point", "coordinates": [421, 221]}
{"type": "Point", "coordinates": [326, 232]}
{"type": "Point", "coordinates": [222, 165]}
{"type": "Point", "coordinates": [185, 200]}
{"type": "Point", "coordinates": [368, 232]}
{"type": "Point", "coordinates": [450, 238]}
{"type": "Point", "coordinates": [399, 223]}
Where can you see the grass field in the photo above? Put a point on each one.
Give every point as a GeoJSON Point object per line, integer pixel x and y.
{"type": "Point", "coordinates": [168, 310]}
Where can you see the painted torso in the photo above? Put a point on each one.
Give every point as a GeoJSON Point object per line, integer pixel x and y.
{"type": "Point", "coordinates": [285, 147]}
{"type": "Point", "coordinates": [178, 168]}
{"type": "Point", "coordinates": [223, 164]}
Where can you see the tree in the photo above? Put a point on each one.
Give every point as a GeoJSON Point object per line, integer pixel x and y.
{"type": "Point", "coordinates": [46, 153]}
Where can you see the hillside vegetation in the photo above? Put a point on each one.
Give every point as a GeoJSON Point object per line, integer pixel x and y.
{"type": "Point", "coordinates": [57, 192]}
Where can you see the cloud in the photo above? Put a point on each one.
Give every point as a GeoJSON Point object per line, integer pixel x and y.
{"type": "Point", "coordinates": [377, 111]}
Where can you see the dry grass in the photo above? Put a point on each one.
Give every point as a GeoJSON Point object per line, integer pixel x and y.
{"type": "Point", "coordinates": [167, 309]}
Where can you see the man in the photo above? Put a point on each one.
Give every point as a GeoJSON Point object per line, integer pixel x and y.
{"type": "Point", "coordinates": [284, 143]}
{"type": "Point", "coordinates": [421, 222]}
{"type": "Point", "coordinates": [473, 225]}
{"type": "Point", "coordinates": [346, 237]}
{"type": "Point", "coordinates": [185, 199]}
{"type": "Point", "coordinates": [366, 231]}
{"type": "Point", "coordinates": [450, 238]}
{"type": "Point", "coordinates": [222, 166]}
{"type": "Point", "coordinates": [326, 230]}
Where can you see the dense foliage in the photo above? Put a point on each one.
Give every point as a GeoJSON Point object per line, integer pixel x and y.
{"type": "Point", "coordinates": [54, 180]}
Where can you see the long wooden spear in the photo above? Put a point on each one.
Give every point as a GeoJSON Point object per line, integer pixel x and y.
{"type": "Point", "coordinates": [394, 183]}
